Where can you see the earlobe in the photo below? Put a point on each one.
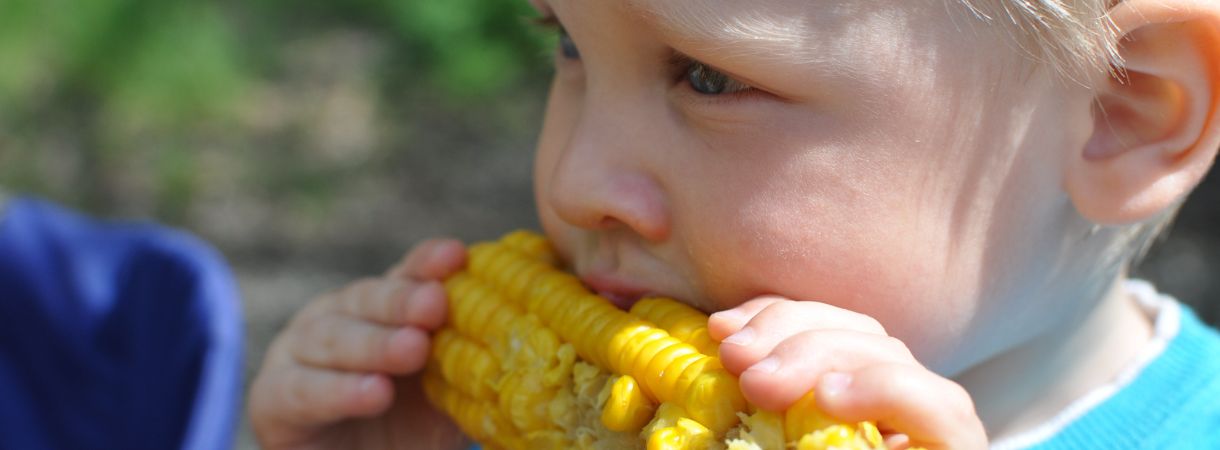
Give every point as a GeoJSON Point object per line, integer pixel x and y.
{"type": "Point", "coordinates": [1157, 122]}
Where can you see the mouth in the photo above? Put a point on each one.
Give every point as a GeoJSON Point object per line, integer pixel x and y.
{"type": "Point", "coordinates": [622, 293]}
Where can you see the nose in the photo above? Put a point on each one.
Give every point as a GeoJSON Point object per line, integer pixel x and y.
{"type": "Point", "coordinates": [606, 177]}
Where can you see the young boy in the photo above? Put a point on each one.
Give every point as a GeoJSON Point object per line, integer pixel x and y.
{"type": "Point", "coordinates": [922, 210]}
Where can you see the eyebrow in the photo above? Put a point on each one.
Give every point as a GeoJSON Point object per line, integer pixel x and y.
{"type": "Point", "coordinates": [696, 23]}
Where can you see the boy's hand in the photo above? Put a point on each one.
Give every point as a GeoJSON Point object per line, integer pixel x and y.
{"type": "Point", "coordinates": [342, 374]}
{"type": "Point", "coordinates": [781, 349]}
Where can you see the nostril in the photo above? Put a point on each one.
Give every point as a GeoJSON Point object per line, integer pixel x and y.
{"type": "Point", "coordinates": [609, 222]}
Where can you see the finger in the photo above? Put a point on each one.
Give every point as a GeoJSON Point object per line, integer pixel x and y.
{"type": "Point", "coordinates": [396, 302]}
{"type": "Point", "coordinates": [310, 397]}
{"type": "Point", "coordinates": [793, 367]}
{"type": "Point", "coordinates": [431, 260]}
{"type": "Point", "coordinates": [341, 342]}
{"type": "Point", "coordinates": [781, 320]}
{"type": "Point", "coordinates": [932, 411]}
{"type": "Point", "coordinates": [724, 323]}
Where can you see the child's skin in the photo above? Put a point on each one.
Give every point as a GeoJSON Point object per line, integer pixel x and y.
{"type": "Point", "coordinates": [886, 203]}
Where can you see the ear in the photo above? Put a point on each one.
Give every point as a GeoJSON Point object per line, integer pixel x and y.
{"type": "Point", "coordinates": [1157, 124]}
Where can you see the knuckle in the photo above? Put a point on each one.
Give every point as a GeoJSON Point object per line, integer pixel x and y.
{"type": "Point", "coordinates": [298, 393]}
{"type": "Point", "coordinates": [783, 307]}
{"type": "Point", "coordinates": [872, 324]}
{"type": "Point", "coordinates": [961, 398]}
{"type": "Point", "coordinates": [379, 348]}
{"type": "Point", "coordinates": [814, 348]}
{"type": "Point", "coordinates": [422, 246]}
{"type": "Point", "coordinates": [367, 351]}
{"type": "Point", "coordinates": [901, 385]}
{"type": "Point", "coordinates": [417, 252]}
{"type": "Point", "coordinates": [302, 332]}
{"type": "Point", "coordinates": [423, 294]}
{"type": "Point", "coordinates": [319, 342]}
{"type": "Point", "coordinates": [327, 340]}
{"type": "Point", "coordinates": [318, 306]}
{"type": "Point", "coordinates": [363, 286]}
{"type": "Point", "coordinates": [397, 295]}
{"type": "Point", "coordinates": [780, 310]}
{"type": "Point", "coordinates": [808, 339]}
{"type": "Point", "coordinates": [358, 294]}
{"type": "Point", "coordinates": [897, 347]}
{"type": "Point", "coordinates": [308, 325]}
{"type": "Point", "coordinates": [390, 308]}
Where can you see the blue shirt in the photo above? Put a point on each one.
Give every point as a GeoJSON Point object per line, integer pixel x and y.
{"type": "Point", "coordinates": [113, 335]}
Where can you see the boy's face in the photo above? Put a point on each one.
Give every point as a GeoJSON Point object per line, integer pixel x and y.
{"type": "Point", "coordinates": [891, 158]}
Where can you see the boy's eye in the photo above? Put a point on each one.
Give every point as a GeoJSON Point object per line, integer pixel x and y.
{"type": "Point", "coordinates": [567, 48]}
{"type": "Point", "coordinates": [708, 81]}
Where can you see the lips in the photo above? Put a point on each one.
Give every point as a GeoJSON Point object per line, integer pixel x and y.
{"type": "Point", "coordinates": [620, 292]}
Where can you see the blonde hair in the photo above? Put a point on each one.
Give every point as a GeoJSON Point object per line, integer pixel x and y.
{"type": "Point", "coordinates": [1073, 37]}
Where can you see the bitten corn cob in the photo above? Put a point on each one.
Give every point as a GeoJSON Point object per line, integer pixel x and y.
{"type": "Point", "coordinates": [532, 359]}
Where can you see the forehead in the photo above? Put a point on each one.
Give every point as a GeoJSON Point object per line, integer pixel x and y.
{"type": "Point", "coordinates": [813, 30]}
{"type": "Point", "coordinates": [820, 40]}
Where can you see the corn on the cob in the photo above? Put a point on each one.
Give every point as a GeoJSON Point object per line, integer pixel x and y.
{"type": "Point", "coordinates": [532, 359]}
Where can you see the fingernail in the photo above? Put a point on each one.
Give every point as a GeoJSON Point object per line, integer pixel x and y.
{"type": "Point", "coordinates": [368, 383]}
{"type": "Point", "coordinates": [768, 365]}
{"type": "Point", "coordinates": [742, 337]}
{"type": "Point", "coordinates": [834, 383]}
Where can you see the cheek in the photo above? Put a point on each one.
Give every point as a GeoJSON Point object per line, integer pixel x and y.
{"type": "Point", "coordinates": [874, 262]}
{"type": "Point", "coordinates": [831, 227]}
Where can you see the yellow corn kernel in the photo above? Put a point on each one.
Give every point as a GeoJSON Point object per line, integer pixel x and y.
{"type": "Point", "coordinates": [478, 419]}
{"type": "Point", "coordinates": [803, 417]}
{"type": "Point", "coordinates": [524, 400]}
{"type": "Point", "coordinates": [547, 440]}
{"type": "Point", "coordinates": [476, 310]}
{"type": "Point", "coordinates": [531, 244]}
{"type": "Point", "coordinates": [714, 400]}
{"type": "Point", "coordinates": [667, 416]}
{"type": "Point", "coordinates": [627, 408]}
{"type": "Point", "coordinates": [871, 434]}
{"type": "Point", "coordinates": [763, 429]}
{"type": "Point", "coordinates": [673, 429]}
{"type": "Point", "coordinates": [682, 322]}
{"type": "Point", "coordinates": [531, 359]}
{"type": "Point", "coordinates": [472, 367]}
{"type": "Point", "coordinates": [836, 437]}
{"type": "Point", "coordinates": [687, 434]}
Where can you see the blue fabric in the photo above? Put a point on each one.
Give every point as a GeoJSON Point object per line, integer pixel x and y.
{"type": "Point", "coordinates": [1174, 403]}
{"type": "Point", "coordinates": [113, 335]}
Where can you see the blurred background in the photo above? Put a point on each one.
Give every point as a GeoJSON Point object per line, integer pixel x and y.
{"type": "Point", "coordinates": [314, 142]}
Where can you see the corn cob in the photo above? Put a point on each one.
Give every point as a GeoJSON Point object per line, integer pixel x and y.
{"type": "Point", "coordinates": [531, 359]}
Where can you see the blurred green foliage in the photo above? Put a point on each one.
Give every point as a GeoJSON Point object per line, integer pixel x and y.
{"type": "Point", "coordinates": [135, 92]}
{"type": "Point", "coordinates": [176, 60]}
